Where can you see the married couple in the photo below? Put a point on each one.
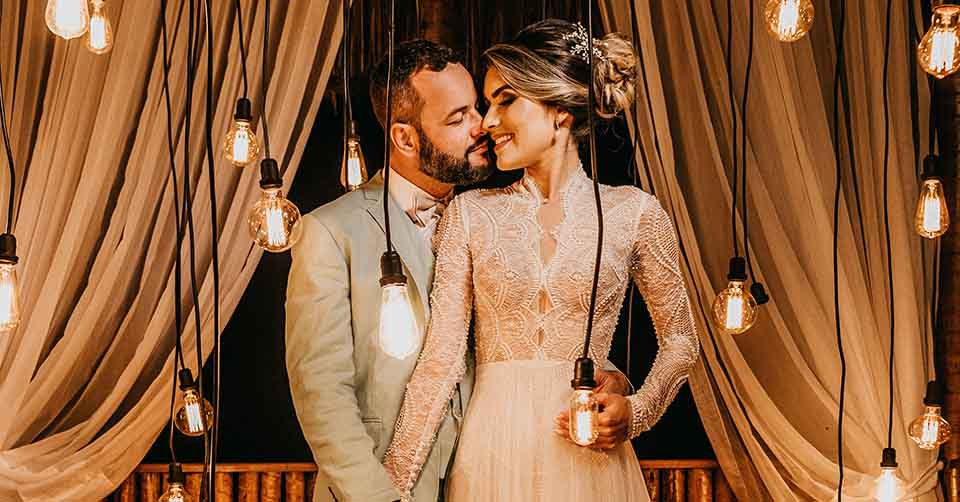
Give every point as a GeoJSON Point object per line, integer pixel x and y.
{"type": "Point", "coordinates": [482, 417]}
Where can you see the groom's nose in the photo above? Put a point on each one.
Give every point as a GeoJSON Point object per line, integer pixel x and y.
{"type": "Point", "coordinates": [477, 130]}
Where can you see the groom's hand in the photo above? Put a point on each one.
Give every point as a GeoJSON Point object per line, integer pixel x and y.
{"type": "Point", "coordinates": [613, 422]}
{"type": "Point", "coordinates": [612, 382]}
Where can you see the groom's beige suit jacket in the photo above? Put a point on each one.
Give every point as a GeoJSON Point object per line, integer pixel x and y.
{"type": "Point", "coordinates": [346, 391]}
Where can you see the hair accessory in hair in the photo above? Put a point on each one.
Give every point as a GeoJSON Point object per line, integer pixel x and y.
{"type": "Point", "coordinates": [579, 36]}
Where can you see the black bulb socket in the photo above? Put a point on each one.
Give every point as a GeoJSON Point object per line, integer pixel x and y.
{"type": "Point", "coordinates": [931, 167]}
{"type": "Point", "coordinates": [391, 269]}
{"type": "Point", "coordinates": [759, 293]}
{"type": "Point", "coordinates": [270, 174]}
{"type": "Point", "coordinates": [244, 110]}
{"type": "Point", "coordinates": [8, 249]}
{"type": "Point", "coordinates": [934, 395]}
{"type": "Point", "coordinates": [175, 474]}
{"type": "Point", "coordinates": [186, 379]}
{"type": "Point", "coordinates": [738, 269]}
{"type": "Point", "coordinates": [889, 458]}
{"type": "Point", "coordinates": [353, 130]}
{"type": "Point", "coordinates": [583, 374]}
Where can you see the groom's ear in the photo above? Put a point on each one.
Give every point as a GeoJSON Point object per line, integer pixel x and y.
{"type": "Point", "coordinates": [405, 139]}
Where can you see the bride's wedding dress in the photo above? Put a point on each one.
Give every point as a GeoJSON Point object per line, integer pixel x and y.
{"type": "Point", "coordinates": [525, 266]}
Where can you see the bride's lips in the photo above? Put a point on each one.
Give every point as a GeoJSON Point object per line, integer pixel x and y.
{"type": "Point", "coordinates": [501, 140]}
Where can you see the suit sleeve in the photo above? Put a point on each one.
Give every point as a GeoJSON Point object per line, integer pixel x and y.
{"type": "Point", "coordinates": [319, 357]}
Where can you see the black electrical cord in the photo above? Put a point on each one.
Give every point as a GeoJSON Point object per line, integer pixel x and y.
{"type": "Point", "coordinates": [743, 149]}
{"type": "Point", "coordinates": [243, 48]}
{"type": "Point", "coordinates": [263, 68]}
{"type": "Point", "coordinates": [345, 56]}
{"type": "Point", "coordinates": [178, 361]}
{"type": "Point", "coordinates": [386, 131]}
{"type": "Point", "coordinates": [6, 144]}
{"type": "Point", "coordinates": [836, 237]}
{"type": "Point", "coordinates": [733, 122]}
{"type": "Point", "coordinates": [886, 216]}
{"type": "Point", "coordinates": [596, 184]}
{"type": "Point", "coordinates": [215, 245]}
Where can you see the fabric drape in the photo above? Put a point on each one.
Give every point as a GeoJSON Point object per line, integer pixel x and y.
{"type": "Point", "coordinates": [86, 378]}
{"type": "Point", "coordinates": [769, 398]}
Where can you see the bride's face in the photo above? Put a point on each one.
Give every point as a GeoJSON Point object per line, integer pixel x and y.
{"type": "Point", "coordinates": [521, 129]}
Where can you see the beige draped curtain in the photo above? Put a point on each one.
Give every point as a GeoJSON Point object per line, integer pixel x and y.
{"type": "Point", "coordinates": [769, 398]}
{"type": "Point", "coordinates": [86, 378]}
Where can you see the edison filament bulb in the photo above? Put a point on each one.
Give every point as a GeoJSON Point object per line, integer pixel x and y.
{"type": "Point", "coordinates": [67, 18]}
{"type": "Point", "coordinates": [398, 332]}
{"type": "Point", "coordinates": [176, 492]}
{"type": "Point", "coordinates": [930, 430]}
{"type": "Point", "coordinates": [274, 222]}
{"type": "Point", "coordinates": [735, 309]}
{"type": "Point", "coordinates": [789, 20]}
{"type": "Point", "coordinates": [99, 38]}
{"type": "Point", "coordinates": [583, 408]}
{"type": "Point", "coordinates": [240, 145]}
{"type": "Point", "coordinates": [939, 49]}
{"type": "Point", "coordinates": [9, 285]}
{"type": "Point", "coordinates": [888, 484]}
{"type": "Point", "coordinates": [353, 169]}
{"type": "Point", "coordinates": [194, 417]}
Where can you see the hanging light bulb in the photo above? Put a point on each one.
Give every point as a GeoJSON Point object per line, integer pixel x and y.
{"type": "Point", "coordinates": [9, 286]}
{"type": "Point", "coordinates": [789, 20]}
{"type": "Point", "coordinates": [888, 485]}
{"type": "Point", "coordinates": [584, 410]}
{"type": "Point", "coordinates": [67, 18]}
{"type": "Point", "coordinates": [353, 171]}
{"type": "Point", "coordinates": [939, 50]}
{"type": "Point", "coordinates": [240, 146]}
{"type": "Point", "coordinates": [195, 415]}
{"type": "Point", "coordinates": [100, 35]}
{"type": "Point", "coordinates": [735, 309]}
{"type": "Point", "coordinates": [930, 430]}
{"type": "Point", "coordinates": [176, 491]}
{"type": "Point", "coordinates": [932, 217]}
{"type": "Point", "coordinates": [399, 334]}
{"type": "Point", "coordinates": [274, 221]}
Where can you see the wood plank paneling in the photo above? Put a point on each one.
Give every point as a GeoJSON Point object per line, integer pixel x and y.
{"type": "Point", "coordinates": [699, 485]}
{"type": "Point", "coordinates": [270, 487]}
{"type": "Point", "coordinates": [294, 489]}
{"type": "Point", "coordinates": [249, 487]}
{"type": "Point", "coordinates": [675, 486]}
{"type": "Point", "coordinates": [150, 486]}
{"type": "Point", "coordinates": [652, 479]}
{"type": "Point", "coordinates": [224, 486]}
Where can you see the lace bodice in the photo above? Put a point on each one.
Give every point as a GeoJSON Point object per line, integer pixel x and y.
{"type": "Point", "coordinates": [526, 271]}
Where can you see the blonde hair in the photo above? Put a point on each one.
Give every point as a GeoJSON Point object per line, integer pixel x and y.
{"type": "Point", "coordinates": [541, 64]}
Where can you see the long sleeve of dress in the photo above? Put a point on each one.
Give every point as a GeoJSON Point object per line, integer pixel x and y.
{"type": "Point", "coordinates": [656, 271]}
{"type": "Point", "coordinates": [442, 361]}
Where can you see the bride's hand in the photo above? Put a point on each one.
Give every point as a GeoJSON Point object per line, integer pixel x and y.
{"type": "Point", "coordinates": [613, 423]}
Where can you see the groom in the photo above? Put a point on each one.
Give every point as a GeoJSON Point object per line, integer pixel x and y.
{"type": "Point", "coordinates": [347, 392]}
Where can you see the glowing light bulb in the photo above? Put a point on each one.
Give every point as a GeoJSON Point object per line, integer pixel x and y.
{"type": "Point", "coordinates": [194, 417]}
{"type": "Point", "coordinates": [67, 18]}
{"type": "Point", "coordinates": [888, 484]}
{"type": "Point", "coordinates": [939, 49]}
{"type": "Point", "coordinates": [9, 297]}
{"type": "Point", "coordinates": [100, 35]}
{"type": "Point", "coordinates": [930, 430]}
{"type": "Point", "coordinates": [932, 217]}
{"type": "Point", "coordinates": [274, 221]}
{"type": "Point", "coordinates": [353, 171]}
{"type": "Point", "coordinates": [9, 285]}
{"type": "Point", "coordinates": [584, 414]}
{"type": "Point", "coordinates": [240, 145]}
{"type": "Point", "coordinates": [789, 20]}
{"type": "Point", "coordinates": [735, 309]}
{"type": "Point", "coordinates": [398, 333]}
{"type": "Point", "coordinates": [175, 492]}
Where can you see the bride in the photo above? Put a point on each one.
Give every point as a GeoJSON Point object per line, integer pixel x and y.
{"type": "Point", "coordinates": [522, 259]}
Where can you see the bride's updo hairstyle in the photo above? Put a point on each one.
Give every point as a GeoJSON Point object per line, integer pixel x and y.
{"type": "Point", "coordinates": [547, 62]}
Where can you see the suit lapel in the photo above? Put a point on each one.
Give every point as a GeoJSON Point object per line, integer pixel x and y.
{"type": "Point", "coordinates": [406, 242]}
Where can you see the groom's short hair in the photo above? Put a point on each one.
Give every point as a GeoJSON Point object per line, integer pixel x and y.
{"type": "Point", "coordinates": [409, 58]}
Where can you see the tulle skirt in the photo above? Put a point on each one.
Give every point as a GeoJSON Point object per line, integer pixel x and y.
{"type": "Point", "coordinates": [508, 451]}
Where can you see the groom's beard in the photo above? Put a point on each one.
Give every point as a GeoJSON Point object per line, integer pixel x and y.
{"type": "Point", "coordinates": [447, 168]}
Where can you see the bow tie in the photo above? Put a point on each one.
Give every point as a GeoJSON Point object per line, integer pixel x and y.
{"type": "Point", "coordinates": [427, 210]}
